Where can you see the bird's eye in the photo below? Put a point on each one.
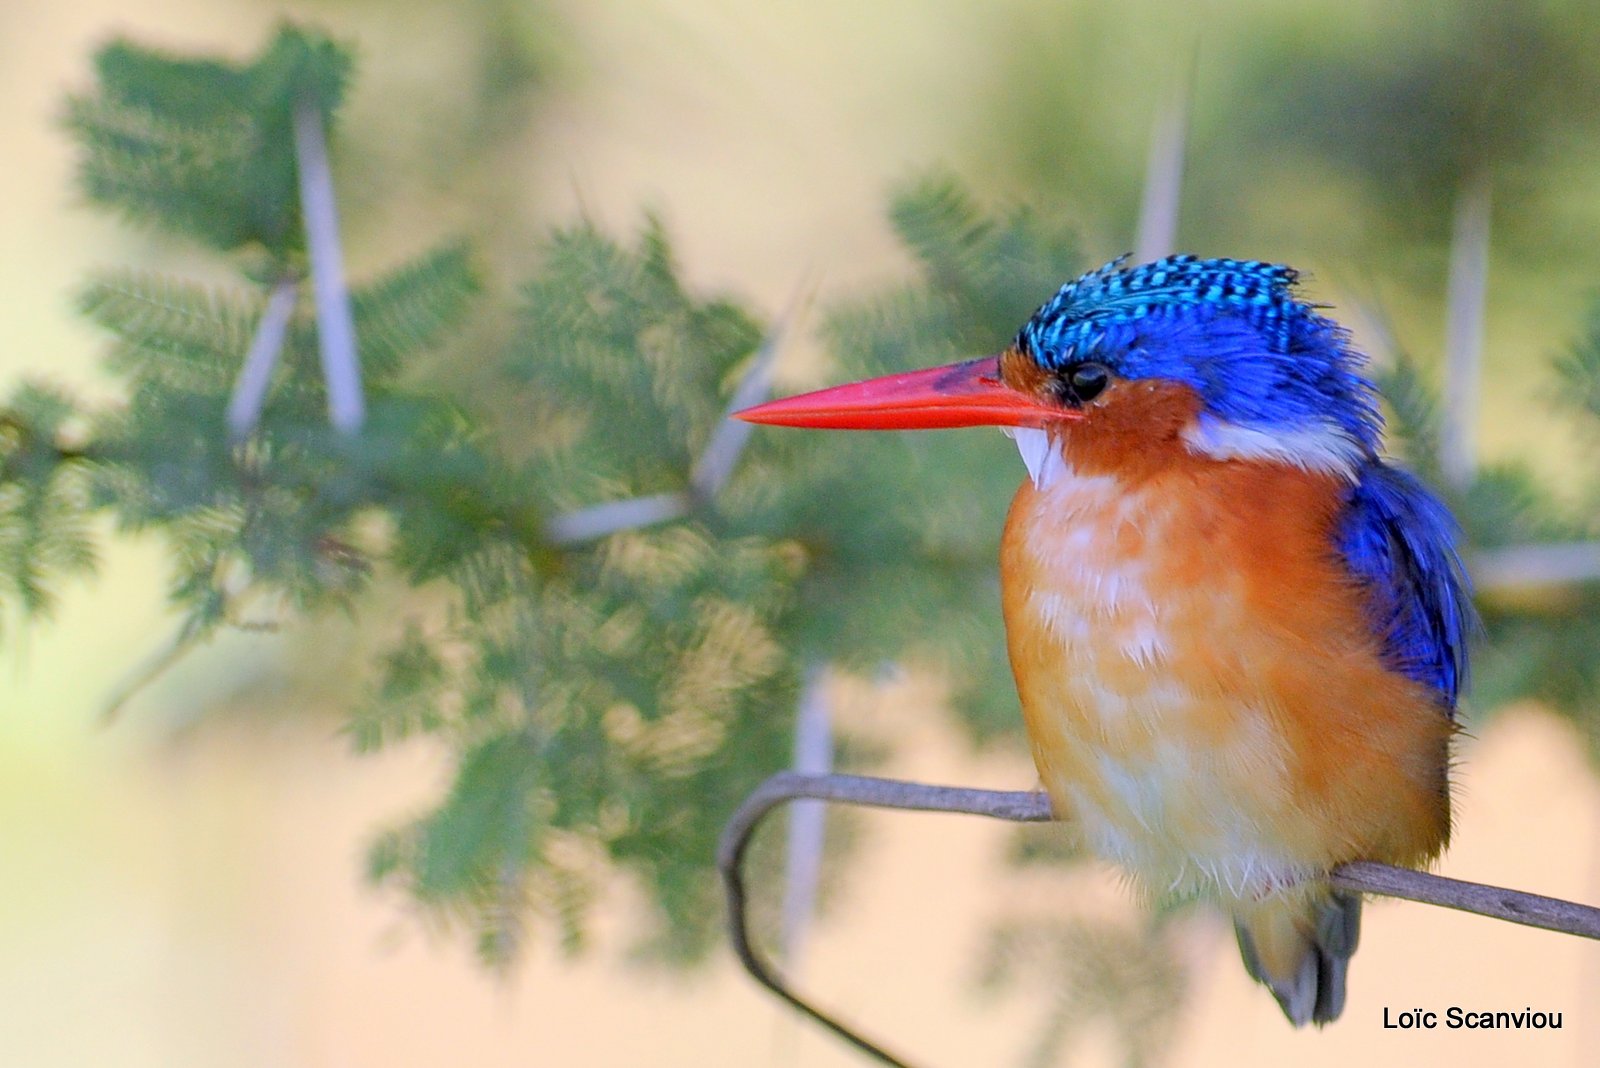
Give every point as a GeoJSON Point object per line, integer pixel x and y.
{"type": "Point", "coordinates": [1087, 380]}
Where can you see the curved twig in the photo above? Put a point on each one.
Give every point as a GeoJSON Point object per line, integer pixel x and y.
{"type": "Point", "coordinates": [1026, 806]}
{"type": "Point", "coordinates": [1021, 805]}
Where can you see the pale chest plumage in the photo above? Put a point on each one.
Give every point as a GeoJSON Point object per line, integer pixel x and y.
{"type": "Point", "coordinates": [1141, 674]}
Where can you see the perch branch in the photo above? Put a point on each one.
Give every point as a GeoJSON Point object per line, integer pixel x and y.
{"type": "Point", "coordinates": [848, 789]}
{"type": "Point", "coordinates": [1025, 806]}
{"type": "Point", "coordinates": [1498, 903]}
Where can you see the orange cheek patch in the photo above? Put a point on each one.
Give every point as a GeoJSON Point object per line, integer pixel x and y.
{"type": "Point", "coordinates": [1132, 430]}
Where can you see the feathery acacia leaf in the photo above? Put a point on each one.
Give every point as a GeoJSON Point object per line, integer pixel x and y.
{"type": "Point", "coordinates": [202, 147]}
{"type": "Point", "coordinates": [1579, 370]}
{"type": "Point", "coordinates": [413, 309]}
{"type": "Point", "coordinates": [185, 335]}
{"type": "Point", "coordinates": [44, 500]}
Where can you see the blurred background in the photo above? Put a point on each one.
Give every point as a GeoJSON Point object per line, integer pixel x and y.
{"type": "Point", "coordinates": [214, 877]}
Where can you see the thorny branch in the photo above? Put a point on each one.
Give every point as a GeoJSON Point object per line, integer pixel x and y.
{"type": "Point", "coordinates": [1024, 806]}
{"type": "Point", "coordinates": [711, 470]}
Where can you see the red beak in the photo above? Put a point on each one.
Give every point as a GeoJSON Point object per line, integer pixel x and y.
{"type": "Point", "coordinates": [958, 394]}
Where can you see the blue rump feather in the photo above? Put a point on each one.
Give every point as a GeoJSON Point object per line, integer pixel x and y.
{"type": "Point", "coordinates": [1399, 540]}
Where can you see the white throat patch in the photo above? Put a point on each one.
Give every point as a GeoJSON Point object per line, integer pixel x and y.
{"type": "Point", "coordinates": [1041, 453]}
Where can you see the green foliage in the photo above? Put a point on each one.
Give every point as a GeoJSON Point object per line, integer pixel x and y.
{"type": "Point", "coordinates": [413, 309]}
{"type": "Point", "coordinates": [627, 372]}
{"type": "Point", "coordinates": [608, 695]}
{"type": "Point", "coordinates": [601, 708]}
{"type": "Point", "coordinates": [197, 146]}
{"type": "Point", "coordinates": [1504, 505]}
{"type": "Point", "coordinates": [1458, 103]}
{"type": "Point", "coordinates": [282, 510]}
{"type": "Point", "coordinates": [987, 273]}
{"type": "Point", "coordinates": [44, 497]}
{"type": "Point", "coordinates": [600, 697]}
{"type": "Point", "coordinates": [204, 149]}
{"type": "Point", "coordinates": [1545, 649]}
{"type": "Point", "coordinates": [171, 331]}
{"type": "Point", "coordinates": [1414, 417]}
{"type": "Point", "coordinates": [639, 690]}
{"type": "Point", "coordinates": [1578, 371]}
{"type": "Point", "coordinates": [979, 278]}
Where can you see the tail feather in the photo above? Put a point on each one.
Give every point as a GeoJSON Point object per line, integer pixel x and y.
{"type": "Point", "coordinates": [1301, 950]}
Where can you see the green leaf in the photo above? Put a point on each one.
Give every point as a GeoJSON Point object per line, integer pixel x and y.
{"type": "Point", "coordinates": [204, 148]}
{"type": "Point", "coordinates": [412, 309]}
{"type": "Point", "coordinates": [487, 823]}
{"type": "Point", "coordinates": [45, 503]}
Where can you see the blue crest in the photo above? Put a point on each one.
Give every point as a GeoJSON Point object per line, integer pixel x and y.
{"type": "Point", "coordinates": [1233, 330]}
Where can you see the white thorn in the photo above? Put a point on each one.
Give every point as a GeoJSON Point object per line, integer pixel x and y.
{"type": "Point", "coordinates": [721, 454]}
{"type": "Point", "coordinates": [1523, 566]}
{"type": "Point", "coordinates": [813, 755]}
{"type": "Point", "coordinates": [587, 524]}
{"type": "Point", "coordinates": [1163, 179]}
{"type": "Point", "coordinates": [1468, 294]}
{"type": "Point", "coordinates": [336, 326]}
{"type": "Point", "coordinates": [250, 391]}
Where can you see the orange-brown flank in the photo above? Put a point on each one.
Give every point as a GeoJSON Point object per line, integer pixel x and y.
{"type": "Point", "coordinates": [1205, 696]}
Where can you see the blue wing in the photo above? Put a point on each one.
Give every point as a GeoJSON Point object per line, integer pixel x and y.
{"type": "Point", "coordinates": [1398, 538]}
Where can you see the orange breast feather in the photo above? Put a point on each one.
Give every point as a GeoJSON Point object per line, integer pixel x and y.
{"type": "Point", "coordinates": [1205, 699]}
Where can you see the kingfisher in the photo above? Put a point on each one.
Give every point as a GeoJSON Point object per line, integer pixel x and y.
{"type": "Point", "coordinates": [1238, 632]}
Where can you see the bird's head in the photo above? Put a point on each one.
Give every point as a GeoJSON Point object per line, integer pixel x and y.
{"type": "Point", "coordinates": [1184, 357]}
